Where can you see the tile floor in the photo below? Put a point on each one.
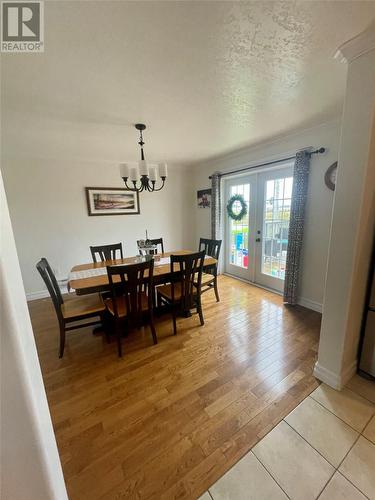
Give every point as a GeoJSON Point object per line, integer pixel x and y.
{"type": "Point", "coordinates": [325, 448]}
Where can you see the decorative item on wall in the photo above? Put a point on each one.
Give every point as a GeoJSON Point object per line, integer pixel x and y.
{"type": "Point", "coordinates": [330, 176]}
{"type": "Point", "coordinates": [204, 198]}
{"type": "Point", "coordinates": [237, 207]}
{"type": "Point", "coordinates": [112, 201]}
{"type": "Point", "coordinates": [144, 176]}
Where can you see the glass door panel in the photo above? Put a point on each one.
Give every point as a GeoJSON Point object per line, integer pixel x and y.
{"type": "Point", "coordinates": [239, 235]}
{"type": "Point", "coordinates": [274, 195]}
{"type": "Point", "coordinates": [239, 230]}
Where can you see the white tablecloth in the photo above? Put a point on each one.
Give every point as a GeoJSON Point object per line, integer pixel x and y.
{"type": "Point", "coordinates": [87, 273]}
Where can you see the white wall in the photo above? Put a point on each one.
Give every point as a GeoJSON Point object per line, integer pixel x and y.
{"type": "Point", "coordinates": [30, 465]}
{"type": "Point", "coordinates": [48, 209]}
{"type": "Point", "coordinates": [352, 222]}
{"type": "Point", "coordinates": [319, 205]}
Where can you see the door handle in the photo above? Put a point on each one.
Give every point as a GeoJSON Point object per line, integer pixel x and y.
{"type": "Point", "coordinates": [257, 240]}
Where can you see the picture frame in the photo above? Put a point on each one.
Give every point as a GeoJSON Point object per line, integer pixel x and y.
{"type": "Point", "coordinates": [111, 201]}
{"type": "Point", "coordinates": [204, 198]}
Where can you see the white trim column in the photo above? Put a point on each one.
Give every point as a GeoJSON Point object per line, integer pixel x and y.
{"type": "Point", "coordinates": [352, 218]}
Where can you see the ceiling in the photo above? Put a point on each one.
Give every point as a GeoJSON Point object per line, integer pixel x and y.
{"type": "Point", "coordinates": [206, 77]}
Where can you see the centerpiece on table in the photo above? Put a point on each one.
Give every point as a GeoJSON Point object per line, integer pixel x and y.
{"type": "Point", "coordinates": [146, 247]}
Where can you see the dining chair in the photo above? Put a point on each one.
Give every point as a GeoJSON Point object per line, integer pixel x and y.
{"type": "Point", "coordinates": [209, 277]}
{"type": "Point", "coordinates": [106, 252]}
{"type": "Point", "coordinates": [131, 297]}
{"type": "Point", "coordinates": [184, 291]}
{"type": "Point", "coordinates": [77, 309]}
{"type": "Point", "coordinates": [156, 241]}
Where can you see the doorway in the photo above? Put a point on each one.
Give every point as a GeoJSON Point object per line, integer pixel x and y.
{"type": "Point", "coordinates": [256, 246]}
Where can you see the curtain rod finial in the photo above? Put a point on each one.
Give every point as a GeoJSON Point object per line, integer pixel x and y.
{"type": "Point", "coordinates": [318, 151]}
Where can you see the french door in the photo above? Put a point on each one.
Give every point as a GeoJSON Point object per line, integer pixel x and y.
{"type": "Point", "coordinates": [256, 246]}
{"type": "Point", "coordinates": [239, 235]}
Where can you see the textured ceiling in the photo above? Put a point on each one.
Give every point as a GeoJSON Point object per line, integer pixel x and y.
{"type": "Point", "coordinates": [206, 77]}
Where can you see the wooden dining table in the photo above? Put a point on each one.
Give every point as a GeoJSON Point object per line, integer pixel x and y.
{"type": "Point", "coordinates": [92, 277]}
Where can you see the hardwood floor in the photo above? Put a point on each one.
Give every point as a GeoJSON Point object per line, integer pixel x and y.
{"type": "Point", "coordinates": [166, 421]}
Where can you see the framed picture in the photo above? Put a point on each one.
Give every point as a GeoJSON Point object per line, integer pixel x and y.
{"type": "Point", "coordinates": [204, 198]}
{"type": "Point", "coordinates": [112, 201]}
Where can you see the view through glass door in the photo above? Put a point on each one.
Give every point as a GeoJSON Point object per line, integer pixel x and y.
{"type": "Point", "coordinates": [240, 244]}
{"type": "Point", "coordinates": [256, 246]}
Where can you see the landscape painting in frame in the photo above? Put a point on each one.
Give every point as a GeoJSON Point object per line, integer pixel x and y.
{"type": "Point", "coordinates": [204, 198]}
{"type": "Point", "coordinates": [112, 201]}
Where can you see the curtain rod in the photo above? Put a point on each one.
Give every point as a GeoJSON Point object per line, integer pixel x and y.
{"type": "Point", "coordinates": [317, 151]}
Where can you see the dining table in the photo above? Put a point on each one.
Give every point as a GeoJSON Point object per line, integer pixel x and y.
{"type": "Point", "coordinates": [92, 277]}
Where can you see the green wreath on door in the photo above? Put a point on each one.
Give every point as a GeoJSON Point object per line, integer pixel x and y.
{"type": "Point", "coordinates": [235, 215]}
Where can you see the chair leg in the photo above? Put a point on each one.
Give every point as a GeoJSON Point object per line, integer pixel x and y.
{"type": "Point", "coordinates": [106, 325]}
{"type": "Point", "coordinates": [62, 341]}
{"type": "Point", "coordinates": [153, 332]}
{"type": "Point", "coordinates": [118, 336]}
{"type": "Point", "coordinates": [119, 347]}
{"type": "Point", "coordinates": [155, 297]}
{"type": "Point", "coordinates": [199, 310]}
{"type": "Point", "coordinates": [216, 290]}
{"type": "Point", "coordinates": [174, 319]}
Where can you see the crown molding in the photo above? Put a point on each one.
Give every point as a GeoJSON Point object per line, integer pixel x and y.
{"type": "Point", "coordinates": [357, 46]}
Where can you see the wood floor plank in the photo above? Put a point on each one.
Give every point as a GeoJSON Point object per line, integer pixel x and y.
{"type": "Point", "coordinates": [166, 421]}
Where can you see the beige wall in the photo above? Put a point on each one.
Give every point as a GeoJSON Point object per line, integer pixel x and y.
{"type": "Point", "coordinates": [319, 204]}
{"type": "Point", "coordinates": [48, 210]}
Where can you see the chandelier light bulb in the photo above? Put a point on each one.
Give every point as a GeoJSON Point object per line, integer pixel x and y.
{"type": "Point", "coordinates": [163, 170]}
{"type": "Point", "coordinates": [153, 174]}
{"type": "Point", "coordinates": [134, 174]}
{"type": "Point", "coordinates": [124, 170]}
{"type": "Point", "coordinates": [143, 168]}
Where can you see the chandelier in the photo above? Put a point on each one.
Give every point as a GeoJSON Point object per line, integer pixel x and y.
{"type": "Point", "coordinates": [144, 176]}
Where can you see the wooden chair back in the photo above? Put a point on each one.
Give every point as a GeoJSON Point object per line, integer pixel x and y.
{"type": "Point", "coordinates": [211, 247]}
{"type": "Point", "coordinates": [131, 282]}
{"type": "Point", "coordinates": [186, 270]}
{"type": "Point", "coordinates": [155, 241]}
{"type": "Point", "coordinates": [52, 286]}
{"type": "Point", "coordinates": [106, 252]}
{"type": "Point", "coordinates": [158, 241]}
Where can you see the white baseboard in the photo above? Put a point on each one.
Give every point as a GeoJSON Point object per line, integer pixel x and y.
{"type": "Point", "coordinates": [252, 283]}
{"type": "Point", "coordinates": [335, 380]}
{"type": "Point", "coordinates": [42, 294]}
{"type": "Point", "coordinates": [310, 304]}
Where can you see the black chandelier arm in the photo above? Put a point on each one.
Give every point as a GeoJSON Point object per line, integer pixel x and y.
{"type": "Point", "coordinates": [134, 188]}
{"type": "Point", "coordinates": [146, 185]}
{"type": "Point", "coordinates": [162, 185]}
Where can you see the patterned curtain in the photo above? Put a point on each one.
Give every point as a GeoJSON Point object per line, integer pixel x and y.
{"type": "Point", "coordinates": [296, 225]}
{"type": "Point", "coordinates": [216, 206]}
